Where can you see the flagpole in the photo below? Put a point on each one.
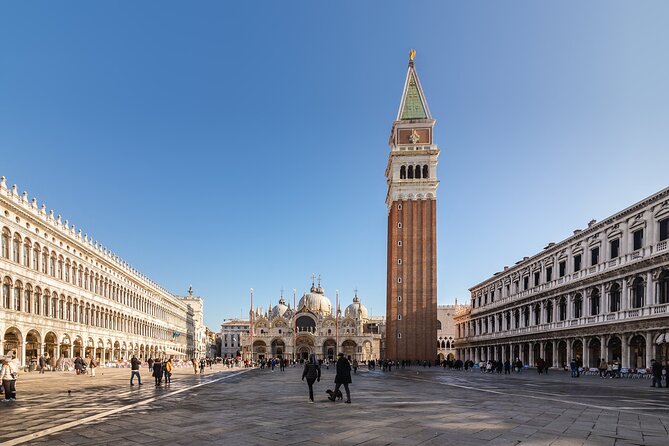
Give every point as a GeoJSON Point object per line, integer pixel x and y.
{"type": "Point", "coordinates": [337, 322]}
{"type": "Point", "coordinates": [294, 326]}
{"type": "Point", "coordinates": [251, 323]}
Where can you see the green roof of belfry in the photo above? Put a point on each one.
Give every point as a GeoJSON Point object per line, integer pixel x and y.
{"type": "Point", "coordinates": [413, 104]}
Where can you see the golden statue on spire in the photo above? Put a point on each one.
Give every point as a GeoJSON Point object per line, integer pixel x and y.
{"type": "Point", "coordinates": [412, 55]}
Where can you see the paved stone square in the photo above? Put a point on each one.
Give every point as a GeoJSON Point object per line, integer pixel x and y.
{"type": "Point", "coordinates": [413, 406]}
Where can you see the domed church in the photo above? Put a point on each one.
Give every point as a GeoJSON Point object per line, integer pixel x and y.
{"type": "Point", "coordinates": [314, 326]}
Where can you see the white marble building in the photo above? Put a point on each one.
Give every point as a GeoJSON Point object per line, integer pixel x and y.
{"type": "Point", "coordinates": [446, 330]}
{"type": "Point", "coordinates": [602, 293]}
{"type": "Point", "coordinates": [64, 294]}
{"type": "Point", "coordinates": [231, 333]}
{"type": "Point", "coordinates": [282, 332]}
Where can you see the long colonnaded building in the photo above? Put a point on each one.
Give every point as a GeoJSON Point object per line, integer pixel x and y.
{"type": "Point", "coordinates": [65, 295]}
{"type": "Point", "coordinates": [603, 293]}
{"type": "Point", "coordinates": [411, 172]}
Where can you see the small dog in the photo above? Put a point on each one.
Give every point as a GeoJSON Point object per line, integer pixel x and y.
{"type": "Point", "coordinates": [332, 396]}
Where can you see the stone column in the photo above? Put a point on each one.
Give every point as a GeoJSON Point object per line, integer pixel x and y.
{"type": "Point", "coordinates": [624, 351]}
{"type": "Point", "coordinates": [570, 354]}
{"type": "Point", "coordinates": [555, 360]}
{"type": "Point", "coordinates": [570, 310]}
{"type": "Point", "coordinates": [22, 359]}
{"type": "Point", "coordinates": [650, 290]}
{"type": "Point", "coordinates": [650, 354]}
{"type": "Point", "coordinates": [603, 350]}
{"type": "Point", "coordinates": [624, 298]}
{"type": "Point", "coordinates": [542, 350]}
{"type": "Point", "coordinates": [586, 353]}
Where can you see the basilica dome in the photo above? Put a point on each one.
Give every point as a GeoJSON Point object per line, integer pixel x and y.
{"type": "Point", "coordinates": [316, 301]}
{"type": "Point", "coordinates": [356, 309]}
{"type": "Point", "coordinates": [280, 309]}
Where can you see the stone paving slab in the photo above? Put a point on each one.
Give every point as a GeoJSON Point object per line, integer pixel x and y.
{"type": "Point", "coordinates": [406, 407]}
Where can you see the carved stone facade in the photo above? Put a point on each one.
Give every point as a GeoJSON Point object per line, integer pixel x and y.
{"type": "Point", "coordinates": [64, 294]}
{"type": "Point", "coordinates": [446, 330]}
{"type": "Point", "coordinates": [314, 328]}
{"type": "Point", "coordinates": [601, 294]}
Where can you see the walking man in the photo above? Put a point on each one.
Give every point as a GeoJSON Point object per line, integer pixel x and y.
{"type": "Point", "coordinates": [42, 363]}
{"type": "Point", "coordinates": [656, 367]}
{"type": "Point", "coordinates": [134, 370]}
{"type": "Point", "coordinates": [343, 376]}
{"type": "Point", "coordinates": [312, 371]}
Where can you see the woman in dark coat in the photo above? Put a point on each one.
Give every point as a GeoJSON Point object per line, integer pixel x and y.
{"type": "Point", "coordinates": [312, 371]}
{"type": "Point", "coordinates": [343, 377]}
{"type": "Point", "coordinates": [158, 371]}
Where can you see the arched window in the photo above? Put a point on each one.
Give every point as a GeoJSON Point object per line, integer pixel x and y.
{"type": "Point", "coordinates": [59, 273]}
{"type": "Point", "coordinates": [52, 265]}
{"type": "Point", "coordinates": [517, 319]}
{"type": "Point", "coordinates": [562, 309]}
{"type": "Point", "coordinates": [426, 171]}
{"type": "Point", "coordinates": [38, 301]}
{"type": "Point", "coordinates": [638, 293]}
{"type": "Point", "coordinates": [6, 292]}
{"type": "Point", "coordinates": [508, 320]}
{"type": "Point", "coordinates": [614, 304]}
{"type": "Point", "coordinates": [46, 300]}
{"type": "Point", "coordinates": [537, 314]}
{"type": "Point", "coordinates": [526, 316]}
{"type": "Point", "coordinates": [16, 251]}
{"type": "Point", "coordinates": [549, 312]}
{"type": "Point", "coordinates": [403, 173]}
{"type": "Point", "coordinates": [410, 173]}
{"type": "Point", "coordinates": [36, 252]}
{"type": "Point", "coordinates": [417, 172]}
{"type": "Point", "coordinates": [18, 288]}
{"type": "Point", "coordinates": [578, 306]}
{"type": "Point", "coordinates": [27, 249]}
{"type": "Point", "coordinates": [663, 288]}
{"type": "Point", "coordinates": [5, 242]}
{"type": "Point", "coordinates": [594, 302]}
{"type": "Point", "coordinates": [27, 297]}
{"type": "Point", "coordinates": [45, 260]}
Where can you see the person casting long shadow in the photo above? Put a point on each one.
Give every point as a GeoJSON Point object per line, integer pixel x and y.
{"type": "Point", "coordinates": [312, 371]}
{"type": "Point", "coordinates": [343, 377]}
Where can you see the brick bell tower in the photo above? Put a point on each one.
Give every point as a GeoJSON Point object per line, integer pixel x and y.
{"type": "Point", "coordinates": [411, 301]}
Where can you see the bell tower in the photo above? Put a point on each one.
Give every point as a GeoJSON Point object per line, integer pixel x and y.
{"type": "Point", "coordinates": [411, 300]}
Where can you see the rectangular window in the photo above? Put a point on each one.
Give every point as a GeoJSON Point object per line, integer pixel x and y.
{"type": "Point", "coordinates": [664, 229]}
{"type": "Point", "coordinates": [615, 248]}
{"type": "Point", "coordinates": [399, 243]}
{"type": "Point", "coordinates": [562, 266]}
{"type": "Point", "coordinates": [594, 256]}
{"type": "Point", "coordinates": [638, 239]}
{"type": "Point", "coordinates": [526, 282]}
{"type": "Point", "coordinates": [399, 225]}
{"type": "Point", "coordinates": [577, 262]}
{"type": "Point", "coordinates": [399, 261]}
{"type": "Point", "coordinates": [549, 273]}
{"type": "Point", "coordinates": [537, 276]}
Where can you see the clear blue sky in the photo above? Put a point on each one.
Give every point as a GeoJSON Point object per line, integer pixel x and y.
{"type": "Point", "coordinates": [232, 145]}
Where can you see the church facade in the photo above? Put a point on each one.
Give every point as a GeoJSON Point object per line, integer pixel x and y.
{"type": "Point", "coordinates": [313, 326]}
{"type": "Point", "coordinates": [411, 172]}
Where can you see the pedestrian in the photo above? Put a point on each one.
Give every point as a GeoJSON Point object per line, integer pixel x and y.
{"type": "Point", "coordinates": [507, 367]}
{"type": "Point", "coordinates": [158, 371]}
{"type": "Point", "coordinates": [312, 371]}
{"type": "Point", "coordinates": [194, 365]}
{"type": "Point", "coordinates": [656, 368]}
{"type": "Point", "coordinates": [355, 366]}
{"type": "Point", "coordinates": [282, 364]}
{"type": "Point", "coordinates": [92, 366]}
{"type": "Point", "coordinates": [602, 368]}
{"type": "Point", "coordinates": [573, 365]}
{"type": "Point", "coordinates": [150, 361]}
{"type": "Point", "coordinates": [168, 371]}
{"type": "Point", "coordinates": [78, 365]}
{"type": "Point", "coordinates": [343, 377]}
{"type": "Point", "coordinates": [41, 362]}
{"type": "Point", "coordinates": [202, 365]}
{"type": "Point", "coordinates": [8, 375]}
{"type": "Point", "coordinates": [134, 370]}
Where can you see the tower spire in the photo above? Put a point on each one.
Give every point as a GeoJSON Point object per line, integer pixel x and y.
{"type": "Point", "coordinates": [413, 104]}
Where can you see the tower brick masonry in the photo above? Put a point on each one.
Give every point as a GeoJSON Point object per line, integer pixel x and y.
{"type": "Point", "coordinates": [411, 301]}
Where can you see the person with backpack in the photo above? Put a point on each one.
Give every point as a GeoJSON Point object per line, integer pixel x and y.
{"type": "Point", "coordinates": [134, 370]}
{"type": "Point", "coordinates": [312, 371]}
